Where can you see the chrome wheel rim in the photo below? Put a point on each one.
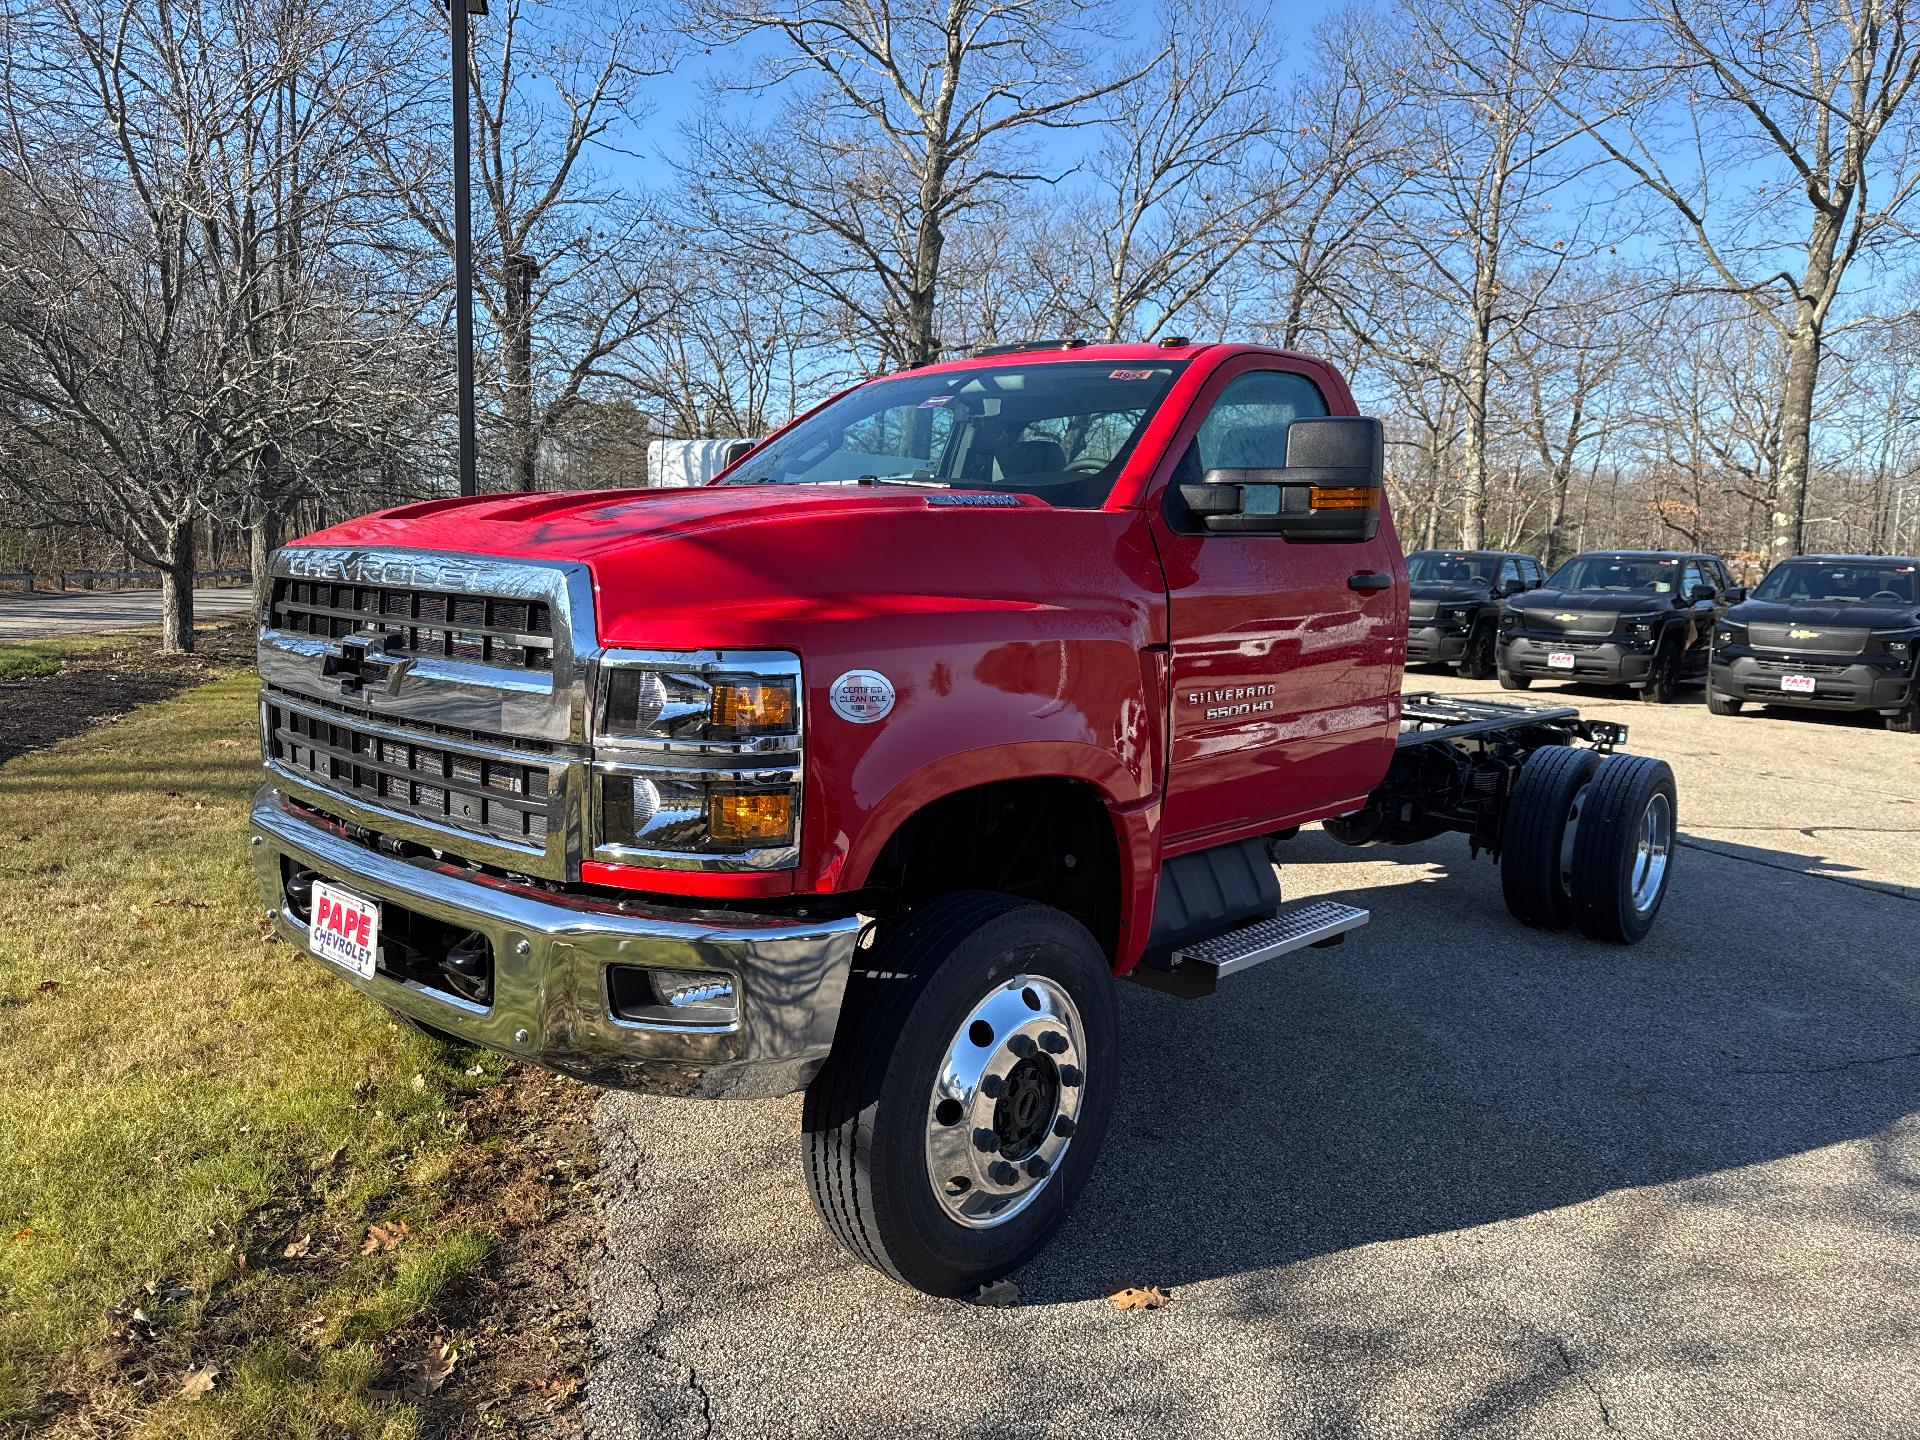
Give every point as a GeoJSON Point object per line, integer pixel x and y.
{"type": "Point", "coordinates": [1655, 844]}
{"type": "Point", "coordinates": [1006, 1101]}
{"type": "Point", "coordinates": [1568, 834]}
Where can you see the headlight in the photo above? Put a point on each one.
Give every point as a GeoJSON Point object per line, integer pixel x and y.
{"type": "Point", "coordinates": [1510, 620]}
{"type": "Point", "coordinates": [1900, 643]}
{"type": "Point", "coordinates": [1640, 627]}
{"type": "Point", "coordinates": [1730, 635]}
{"type": "Point", "coordinates": [1456, 613]}
{"type": "Point", "coordinates": [698, 759]}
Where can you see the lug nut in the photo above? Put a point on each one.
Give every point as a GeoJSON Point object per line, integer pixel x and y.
{"type": "Point", "coordinates": [985, 1140]}
{"type": "Point", "coordinates": [992, 1086]}
{"type": "Point", "coordinates": [1070, 1075]}
{"type": "Point", "coordinates": [1021, 1045]}
{"type": "Point", "coordinates": [521, 947]}
{"type": "Point", "coordinates": [1002, 1173]}
{"type": "Point", "coordinates": [1064, 1126]}
{"type": "Point", "coordinates": [1037, 1167]}
{"type": "Point", "coordinates": [1053, 1042]}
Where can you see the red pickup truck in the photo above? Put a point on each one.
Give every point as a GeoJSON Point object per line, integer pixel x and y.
{"type": "Point", "coordinates": [866, 770]}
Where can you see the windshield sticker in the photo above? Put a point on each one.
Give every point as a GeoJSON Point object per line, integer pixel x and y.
{"type": "Point", "coordinates": [934, 400]}
{"type": "Point", "coordinates": [1130, 375]}
{"type": "Point", "coordinates": [862, 696]}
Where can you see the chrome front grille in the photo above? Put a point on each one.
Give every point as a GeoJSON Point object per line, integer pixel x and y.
{"type": "Point", "coordinates": [488, 789]}
{"type": "Point", "coordinates": [442, 700]}
{"type": "Point", "coordinates": [483, 629]}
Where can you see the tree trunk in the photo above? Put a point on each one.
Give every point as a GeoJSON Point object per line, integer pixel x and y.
{"type": "Point", "coordinates": [176, 591]}
{"type": "Point", "coordinates": [263, 537]}
{"type": "Point", "coordinates": [1473, 509]}
{"type": "Point", "coordinates": [1796, 428]}
{"type": "Point", "coordinates": [521, 442]}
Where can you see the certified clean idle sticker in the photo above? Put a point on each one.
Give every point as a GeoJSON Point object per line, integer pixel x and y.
{"type": "Point", "coordinates": [862, 696]}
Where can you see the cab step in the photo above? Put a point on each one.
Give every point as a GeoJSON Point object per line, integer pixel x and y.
{"type": "Point", "coordinates": [1196, 967]}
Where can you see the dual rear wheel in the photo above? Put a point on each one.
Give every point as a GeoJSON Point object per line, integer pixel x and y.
{"type": "Point", "coordinates": [1590, 842]}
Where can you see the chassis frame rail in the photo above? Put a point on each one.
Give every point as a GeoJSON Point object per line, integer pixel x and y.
{"type": "Point", "coordinates": [1428, 718]}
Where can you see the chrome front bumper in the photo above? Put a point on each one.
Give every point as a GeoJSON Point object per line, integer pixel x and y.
{"type": "Point", "coordinates": [551, 1000]}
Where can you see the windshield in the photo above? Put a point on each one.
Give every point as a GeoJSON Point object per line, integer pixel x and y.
{"type": "Point", "coordinates": [1617, 574]}
{"type": "Point", "coordinates": [1434, 567]}
{"type": "Point", "coordinates": [1884, 582]}
{"type": "Point", "coordinates": [1060, 431]}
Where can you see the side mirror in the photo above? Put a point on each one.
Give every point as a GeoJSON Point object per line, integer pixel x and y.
{"type": "Point", "coordinates": [1734, 594]}
{"type": "Point", "coordinates": [1329, 489]}
{"type": "Point", "coordinates": [1512, 587]}
{"type": "Point", "coordinates": [1704, 592]}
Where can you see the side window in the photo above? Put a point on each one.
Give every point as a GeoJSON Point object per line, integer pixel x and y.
{"type": "Point", "coordinates": [1509, 573]}
{"type": "Point", "coordinates": [1247, 427]}
{"type": "Point", "coordinates": [1717, 575]}
{"type": "Point", "coordinates": [1689, 577]}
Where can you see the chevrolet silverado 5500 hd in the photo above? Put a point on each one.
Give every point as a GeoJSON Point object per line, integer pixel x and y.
{"type": "Point", "coordinates": [866, 770]}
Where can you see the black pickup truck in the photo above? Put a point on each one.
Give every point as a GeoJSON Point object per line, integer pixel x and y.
{"type": "Point", "coordinates": [1639, 618]}
{"type": "Point", "coordinates": [1454, 602]}
{"type": "Point", "coordinates": [1831, 632]}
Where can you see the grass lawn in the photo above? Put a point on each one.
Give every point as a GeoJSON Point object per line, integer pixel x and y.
{"type": "Point", "coordinates": [31, 659]}
{"type": "Point", "coordinates": [197, 1128]}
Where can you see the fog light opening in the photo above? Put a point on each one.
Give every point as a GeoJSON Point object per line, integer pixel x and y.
{"type": "Point", "coordinates": [644, 995]}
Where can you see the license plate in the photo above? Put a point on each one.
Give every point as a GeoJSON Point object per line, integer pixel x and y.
{"type": "Point", "coordinates": [1797, 684]}
{"type": "Point", "coordinates": [1560, 660]}
{"type": "Point", "coordinates": [344, 928]}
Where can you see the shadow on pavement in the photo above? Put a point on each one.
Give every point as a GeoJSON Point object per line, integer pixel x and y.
{"type": "Point", "coordinates": [1448, 1068]}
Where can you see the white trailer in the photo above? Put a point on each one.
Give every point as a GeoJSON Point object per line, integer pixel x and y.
{"type": "Point", "coordinates": [673, 464]}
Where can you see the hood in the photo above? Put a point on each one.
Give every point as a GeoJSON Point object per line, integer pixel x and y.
{"type": "Point", "coordinates": [1442, 592]}
{"type": "Point", "coordinates": [753, 566]}
{"type": "Point", "coordinates": [1593, 603]}
{"type": "Point", "coordinates": [1858, 616]}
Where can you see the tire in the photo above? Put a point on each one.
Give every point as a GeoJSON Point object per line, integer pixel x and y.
{"type": "Point", "coordinates": [1663, 678]}
{"type": "Point", "coordinates": [1907, 721]}
{"type": "Point", "coordinates": [1514, 682]}
{"type": "Point", "coordinates": [1624, 848]}
{"type": "Point", "coordinates": [877, 1127]}
{"type": "Point", "coordinates": [1718, 704]}
{"type": "Point", "coordinates": [1532, 874]}
{"type": "Point", "coordinates": [1476, 661]}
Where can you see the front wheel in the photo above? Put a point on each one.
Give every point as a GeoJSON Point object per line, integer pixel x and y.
{"type": "Point", "coordinates": [1510, 681]}
{"type": "Point", "coordinates": [1663, 676]}
{"type": "Point", "coordinates": [968, 1091]}
{"type": "Point", "coordinates": [1718, 704]}
{"type": "Point", "coordinates": [1907, 721]}
{"type": "Point", "coordinates": [1476, 661]}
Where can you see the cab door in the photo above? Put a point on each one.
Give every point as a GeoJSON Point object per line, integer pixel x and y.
{"type": "Point", "coordinates": [1285, 655]}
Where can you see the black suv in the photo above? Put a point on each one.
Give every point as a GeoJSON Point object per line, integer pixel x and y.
{"type": "Point", "coordinates": [1836, 632]}
{"type": "Point", "coordinates": [1457, 596]}
{"type": "Point", "coordinates": [1643, 618]}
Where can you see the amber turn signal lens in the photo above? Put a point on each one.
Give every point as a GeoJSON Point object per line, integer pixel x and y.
{"type": "Point", "coordinates": [1340, 497]}
{"type": "Point", "coordinates": [750, 819]}
{"type": "Point", "coordinates": [752, 707]}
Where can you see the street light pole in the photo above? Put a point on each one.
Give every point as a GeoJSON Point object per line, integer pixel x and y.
{"type": "Point", "coordinates": [463, 241]}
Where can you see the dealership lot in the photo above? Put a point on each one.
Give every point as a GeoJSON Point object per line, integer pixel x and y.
{"type": "Point", "coordinates": [1454, 1177]}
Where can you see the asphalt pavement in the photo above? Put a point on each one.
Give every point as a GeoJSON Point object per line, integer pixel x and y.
{"type": "Point", "coordinates": [41, 616]}
{"type": "Point", "coordinates": [1454, 1177]}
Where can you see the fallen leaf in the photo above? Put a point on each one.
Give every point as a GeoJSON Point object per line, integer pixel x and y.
{"type": "Point", "coordinates": [298, 1249]}
{"type": "Point", "coordinates": [419, 1083]}
{"type": "Point", "coordinates": [384, 1235]}
{"type": "Point", "coordinates": [999, 1295]}
{"type": "Point", "coordinates": [476, 1070]}
{"type": "Point", "coordinates": [226, 744]}
{"type": "Point", "coordinates": [1136, 1298]}
{"type": "Point", "coordinates": [25, 1232]}
{"type": "Point", "coordinates": [432, 1375]}
{"type": "Point", "coordinates": [49, 987]}
{"type": "Point", "coordinates": [199, 1382]}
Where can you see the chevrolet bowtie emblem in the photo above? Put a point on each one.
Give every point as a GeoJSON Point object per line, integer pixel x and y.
{"type": "Point", "coordinates": [362, 662]}
{"type": "Point", "coordinates": [1803, 634]}
{"type": "Point", "coordinates": [1563, 619]}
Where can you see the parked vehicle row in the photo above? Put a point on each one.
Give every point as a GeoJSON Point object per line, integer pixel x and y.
{"type": "Point", "coordinates": [1829, 632]}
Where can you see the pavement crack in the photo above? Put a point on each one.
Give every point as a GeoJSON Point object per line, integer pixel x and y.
{"type": "Point", "coordinates": [1586, 1381]}
{"type": "Point", "coordinates": [1837, 1065]}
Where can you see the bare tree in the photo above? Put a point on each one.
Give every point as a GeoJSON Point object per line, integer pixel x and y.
{"type": "Point", "coordinates": [1811, 98]}
{"type": "Point", "coordinates": [162, 340]}
{"type": "Point", "coordinates": [896, 124]}
{"type": "Point", "coordinates": [567, 271]}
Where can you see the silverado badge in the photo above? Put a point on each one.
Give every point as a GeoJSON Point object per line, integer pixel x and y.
{"type": "Point", "coordinates": [1803, 634]}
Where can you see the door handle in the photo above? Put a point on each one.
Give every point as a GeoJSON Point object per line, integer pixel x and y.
{"type": "Point", "coordinates": [1369, 580]}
